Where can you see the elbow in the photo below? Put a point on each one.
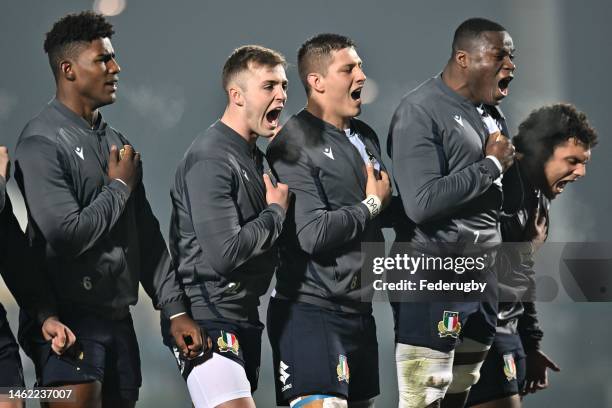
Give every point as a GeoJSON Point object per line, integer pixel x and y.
{"type": "Point", "coordinates": [69, 241]}
{"type": "Point", "coordinates": [421, 208]}
{"type": "Point", "coordinates": [224, 258]}
{"type": "Point", "coordinates": [220, 265]}
{"type": "Point", "coordinates": [65, 245]}
{"type": "Point", "coordinates": [308, 243]}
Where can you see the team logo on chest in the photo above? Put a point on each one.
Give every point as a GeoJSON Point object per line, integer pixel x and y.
{"type": "Point", "coordinates": [244, 173]}
{"type": "Point", "coordinates": [458, 119]}
{"type": "Point", "coordinates": [449, 325]}
{"type": "Point", "coordinates": [228, 342]}
{"type": "Point", "coordinates": [328, 152]}
{"type": "Point", "coordinates": [343, 369]}
{"type": "Point", "coordinates": [509, 367]}
{"type": "Point", "coordinates": [79, 152]}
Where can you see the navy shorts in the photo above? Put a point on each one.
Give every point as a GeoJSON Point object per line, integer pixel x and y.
{"type": "Point", "coordinates": [440, 326]}
{"type": "Point", "coordinates": [439, 320]}
{"type": "Point", "coordinates": [503, 371]}
{"type": "Point", "coordinates": [320, 351]}
{"type": "Point", "coordinates": [11, 372]}
{"type": "Point", "coordinates": [105, 351]}
{"type": "Point", "coordinates": [238, 341]}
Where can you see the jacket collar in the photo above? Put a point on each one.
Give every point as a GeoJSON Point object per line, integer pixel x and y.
{"type": "Point", "coordinates": [460, 99]}
{"type": "Point", "coordinates": [235, 139]}
{"type": "Point", "coordinates": [76, 119]}
{"type": "Point", "coordinates": [320, 123]}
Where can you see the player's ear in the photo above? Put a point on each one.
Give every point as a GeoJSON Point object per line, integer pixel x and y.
{"type": "Point", "coordinates": [235, 95]}
{"type": "Point", "coordinates": [461, 58]}
{"type": "Point", "coordinates": [66, 70]}
{"type": "Point", "coordinates": [315, 81]}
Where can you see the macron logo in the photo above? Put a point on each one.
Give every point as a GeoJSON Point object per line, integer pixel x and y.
{"type": "Point", "coordinates": [458, 120]}
{"type": "Point", "coordinates": [328, 152]}
{"type": "Point", "coordinates": [79, 152]}
{"type": "Point", "coordinates": [244, 173]}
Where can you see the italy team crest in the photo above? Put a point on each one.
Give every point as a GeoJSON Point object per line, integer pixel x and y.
{"type": "Point", "coordinates": [228, 342]}
{"type": "Point", "coordinates": [449, 325]}
{"type": "Point", "coordinates": [509, 367]}
{"type": "Point", "coordinates": [343, 369]}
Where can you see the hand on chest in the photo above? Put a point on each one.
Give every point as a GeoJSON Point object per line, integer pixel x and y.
{"type": "Point", "coordinates": [339, 167]}
{"type": "Point", "coordinates": [249, 190]}
{"type": "Point", "coordinates": [463, 136]}
{"type": "Point", "coordinates": [87, 155]}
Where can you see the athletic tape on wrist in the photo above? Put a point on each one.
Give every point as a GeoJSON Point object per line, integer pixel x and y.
{"type": "Point", "coordinates": [374, 204]}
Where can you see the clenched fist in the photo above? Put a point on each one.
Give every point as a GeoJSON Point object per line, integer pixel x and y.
{"type": "Point", "coordinates": [278, 194]}
{"type": "Point", "coordinates": [502, 148]}
{"type": "Point", "coordinates": [126, 168]}
{"type": "Point", "coordinates": [380, 188]}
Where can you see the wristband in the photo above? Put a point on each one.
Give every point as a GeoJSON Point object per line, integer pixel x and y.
{"type": "Point", "coordinates": [374, 204]}
{"type": "Point", "coordinates": [121, 181]}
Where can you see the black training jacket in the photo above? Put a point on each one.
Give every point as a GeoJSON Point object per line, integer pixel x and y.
{"type": "Point", "coordinates": [321, 246]}
{"type": "Point", "coordinates": [517, 276]}
{"type": "Point", "coordinates": [436, 142]}
{"type": "Point", "coordinates": [222, 231]}
{"type": "Point", "coordinates": [99, 240]}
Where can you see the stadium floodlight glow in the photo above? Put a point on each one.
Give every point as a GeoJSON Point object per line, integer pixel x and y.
{"type": "Point", "coordinates": [109, 7]}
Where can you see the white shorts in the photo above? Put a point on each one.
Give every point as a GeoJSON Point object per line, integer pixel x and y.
{"type": "Point", "coordinates": [216, 381]}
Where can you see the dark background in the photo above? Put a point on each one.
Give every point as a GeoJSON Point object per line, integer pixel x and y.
{"type": "Point", "coordinates": [171, 55]}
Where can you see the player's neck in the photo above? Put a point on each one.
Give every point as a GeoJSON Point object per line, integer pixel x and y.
{"type": "Point", "coordinates": [456, 82]}
{"type": "Point", "coordinates": [327, 115]}
{"type": "Point", "coordinates": [234, 121]}
{"type": "Point", "coordinates": [78, 106]}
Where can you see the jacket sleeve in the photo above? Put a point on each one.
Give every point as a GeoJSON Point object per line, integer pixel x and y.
{"type": "Point", "coordinates": [529, 328]}
{"type": "Point", "coordinates": [419, 168]}
{"type": "Point", "coordinates": [22, 270]}
{"type": "Point", "coordinates": [46, 186]}
{"type": "Point", "coordinates": [318, 227]}
{"type": "Point", "coordinates": [216, 221]}
{"type": "Point", "coordinates": [158, 275]}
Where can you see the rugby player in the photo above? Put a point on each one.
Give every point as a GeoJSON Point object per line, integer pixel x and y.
{"type": "Point", "coordinates": [24, 278]}
{"type": "Point", "coordinates": [555, 145]}
{"type": "Point", "coordinates": [448, 144]}
{"type": "Point", "coordinates": [88, 213]}
{"type": "Point", "coordinates": [320, 322]}
{"type": "Point", "coordinates": [227, 215]}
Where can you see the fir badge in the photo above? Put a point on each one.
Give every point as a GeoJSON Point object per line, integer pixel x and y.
{"type": "Point", "coordinates": [509, 367]}
{"type": "Point", "coordinates": [343, 369]}
{"type": "Point", "coordinates": [228, 342]}
{"type": "Point", "coordinates": [449, 325]}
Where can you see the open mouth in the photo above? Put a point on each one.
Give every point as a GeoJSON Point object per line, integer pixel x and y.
{"type": "Point", "coordinates": [356, 94]}
{"type": "Point", "coordinates": [112, 84]}
{"type": "Point", "coordinates": [273, 115]}
{"type": "Point", "coordinates": [503, 85]}
{"type": "Point", "coordinates": [560, 186]}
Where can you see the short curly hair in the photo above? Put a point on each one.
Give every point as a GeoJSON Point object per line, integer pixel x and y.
{"type": "Point", "coordinates": [71, 32]}
{"type": "Point", "coordinates": [548, 127]}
